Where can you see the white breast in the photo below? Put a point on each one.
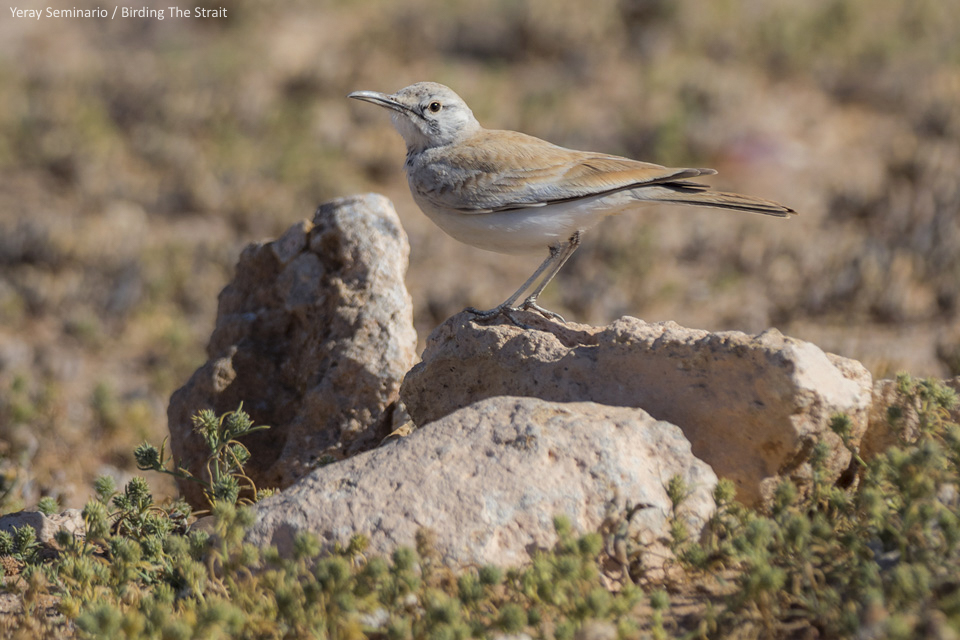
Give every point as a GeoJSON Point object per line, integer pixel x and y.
{"type": "Point", "coordinates": [526, 230]}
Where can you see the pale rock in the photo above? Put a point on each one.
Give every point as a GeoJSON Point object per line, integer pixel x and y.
{"type": "Point", "coordinates": [488, 479]}
{"type": "Point", "coordinates": [45, 526]}
{"type": "Point", "coordinates": [752, 406]}
{"type": "Point", "coordinates": [313, 335]}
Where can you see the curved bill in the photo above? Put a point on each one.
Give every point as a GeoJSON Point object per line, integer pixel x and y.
{"type": "Point", "coordinates": [381, 99]}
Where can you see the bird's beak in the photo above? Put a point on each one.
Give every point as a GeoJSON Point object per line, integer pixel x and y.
{"type": "Point", "coordinates": [381, 99]}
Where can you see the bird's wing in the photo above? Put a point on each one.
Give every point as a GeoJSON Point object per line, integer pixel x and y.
{"type": "Point", "coordinates": [502, 170]}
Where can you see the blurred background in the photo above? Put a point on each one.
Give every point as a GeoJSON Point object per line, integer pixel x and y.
{"type": "Point", "coordinates": [138, 157]}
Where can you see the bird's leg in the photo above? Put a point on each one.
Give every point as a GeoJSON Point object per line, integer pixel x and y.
{"type": "Point", "coordinates": [559, 254]}
{"type": "Point", "coordinates": [563, 253]}
{"type": "Point", "coordinates": [507, 306]}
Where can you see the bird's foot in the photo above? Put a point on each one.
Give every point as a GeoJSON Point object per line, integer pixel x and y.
{"type": "Point", "coordinates": [530, 304]}
{"type": "Point", "coordinates": [504, 310]}
{"type": "Point", "coordinates": [488, 313]}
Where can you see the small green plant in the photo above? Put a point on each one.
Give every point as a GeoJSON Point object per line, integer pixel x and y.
{"type": "Point", "coordinates": [659, 602]}
{"type": "Point", "coordinates": [224, 478]}
{"type": "Point", "coordinates": [48, 505]}
{"type": "Point", "coordinates": [21, 544]}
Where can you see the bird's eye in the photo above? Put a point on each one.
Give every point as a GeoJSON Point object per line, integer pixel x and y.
{"type": "Point", "coordinates": [435, 106]}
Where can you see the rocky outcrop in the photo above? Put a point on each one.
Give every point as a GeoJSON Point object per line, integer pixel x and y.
{"type": "Point", "coordinates": [515, 425]}
{"type": "Point", "coordinates": [752, 406]}
{"type": "Point", "coordinates": [313, 335]}
{"type": "Point", "coordinates": [488, 480]}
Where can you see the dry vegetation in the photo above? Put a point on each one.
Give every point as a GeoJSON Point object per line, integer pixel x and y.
{"type": "Point", "coordinates": [137, 157]}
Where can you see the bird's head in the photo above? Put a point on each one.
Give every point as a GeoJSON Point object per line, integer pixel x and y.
{"type": "Point", "coordinates": [426, 114]}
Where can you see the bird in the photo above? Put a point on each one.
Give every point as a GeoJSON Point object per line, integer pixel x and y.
{"type": "Point", "coordinates": [513, 193]}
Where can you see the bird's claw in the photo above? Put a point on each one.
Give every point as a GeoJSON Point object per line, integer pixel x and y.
{"type": "Point", "coordinates": [508, 311]}
{"type": "Point", "coordinates": [529, 304]}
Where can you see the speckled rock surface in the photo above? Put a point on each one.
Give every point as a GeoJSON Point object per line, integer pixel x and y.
{"type": "Point", "coordinates": [313, 335]}
{"type": "Point", "coordinates": [489, 479]}
{"type": "Point", "coordinates": [752, 406]}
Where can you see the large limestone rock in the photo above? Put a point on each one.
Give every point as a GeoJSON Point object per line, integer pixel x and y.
{"type": "Point", "coordinates": [488, 480]}
{"type": "Point", "coordinates": [313, 335]}
{"type": "Point", "coordinates": [752, 406]}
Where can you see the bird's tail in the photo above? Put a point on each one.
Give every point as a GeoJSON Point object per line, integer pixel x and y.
{"type": "Point", "coordinates": [696, 194]}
